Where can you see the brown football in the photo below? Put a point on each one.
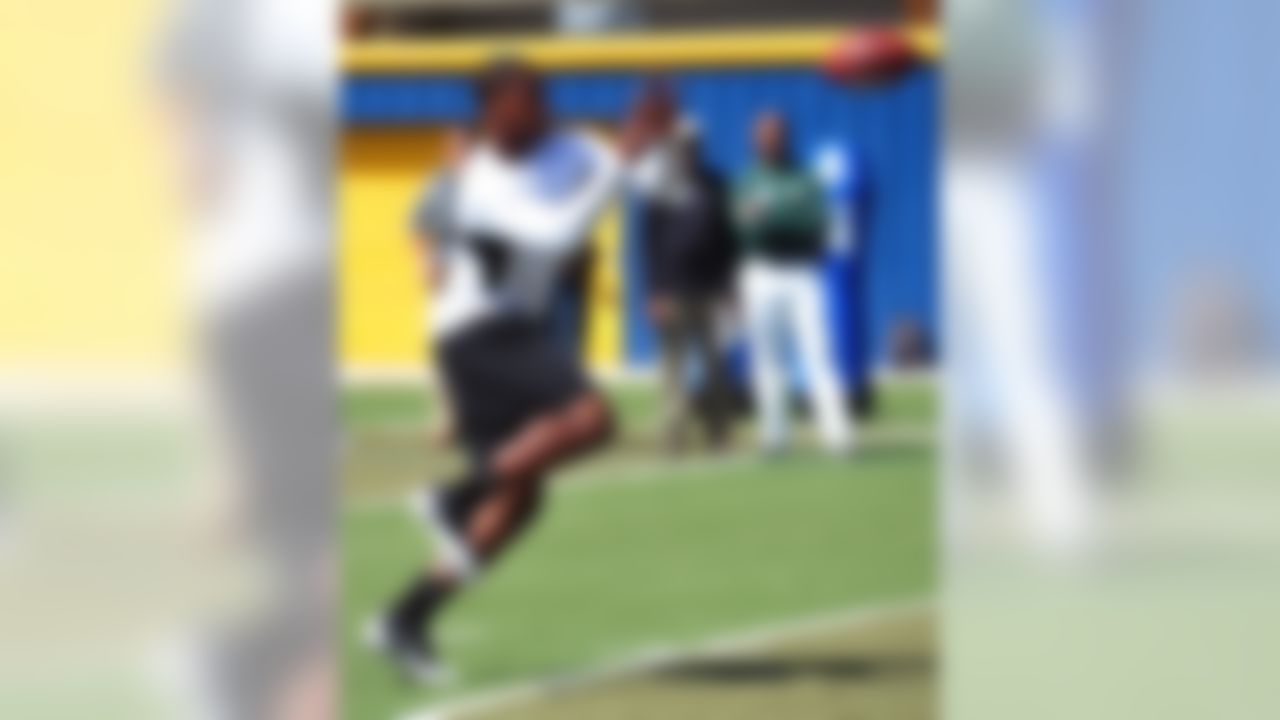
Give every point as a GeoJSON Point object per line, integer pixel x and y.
{"type": "Point", "coordinates": [870, 56]}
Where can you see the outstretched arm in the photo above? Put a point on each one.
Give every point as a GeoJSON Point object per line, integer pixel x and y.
{"type": "Point", "coordinates": [557, 225]}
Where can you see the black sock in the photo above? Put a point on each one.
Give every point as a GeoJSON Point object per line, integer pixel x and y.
{"type": "Point", "coordinates": [418, 604]}
{"type": "Point", "coordinates": [463, 496]}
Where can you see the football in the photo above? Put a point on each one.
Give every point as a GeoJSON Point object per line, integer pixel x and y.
{"type": "Point", "coordinates": [870, 56]}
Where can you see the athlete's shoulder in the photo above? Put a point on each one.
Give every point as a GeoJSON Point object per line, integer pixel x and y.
{"type": "Point", "coordinates": [568, 159]}
{"type": "Point", "coordinates": [574, 145]}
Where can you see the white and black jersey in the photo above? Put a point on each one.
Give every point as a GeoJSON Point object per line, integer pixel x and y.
{"type": "Point", "coordinates": [519, 223]}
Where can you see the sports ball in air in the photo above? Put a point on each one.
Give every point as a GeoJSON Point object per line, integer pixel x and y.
{"type": "Point", "coordinates": [870, 56]}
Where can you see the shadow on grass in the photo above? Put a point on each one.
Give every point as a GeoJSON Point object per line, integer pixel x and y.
{"type": "Point", "coordinates": [773, 670]}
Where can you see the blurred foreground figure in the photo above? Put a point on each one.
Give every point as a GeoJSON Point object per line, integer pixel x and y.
{"type": "Point", "coordinates": [255, 127]}
{"type": "Point", "coordinates": [781, 218]}
{"type": "Point", "coordinates": [689, 256]}
{"type": "Point", "coordinates": [527, 195]}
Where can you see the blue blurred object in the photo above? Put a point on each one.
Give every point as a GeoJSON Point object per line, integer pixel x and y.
{"type": "Point", "coordinates": [837, 162]}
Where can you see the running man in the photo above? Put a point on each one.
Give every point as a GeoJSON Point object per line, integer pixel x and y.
{"type": "Point", "coordinates": [528, 193]}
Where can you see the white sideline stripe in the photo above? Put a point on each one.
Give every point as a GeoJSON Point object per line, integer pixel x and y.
{"type": "Point", "coordinates": [533, 691]}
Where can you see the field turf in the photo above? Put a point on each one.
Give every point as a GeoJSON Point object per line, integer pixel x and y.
{"type": "Point", "coordinates": [636, 552]}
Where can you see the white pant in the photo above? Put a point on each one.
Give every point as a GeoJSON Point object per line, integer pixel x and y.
{"type": "Point", "coordinates": [784, 308]}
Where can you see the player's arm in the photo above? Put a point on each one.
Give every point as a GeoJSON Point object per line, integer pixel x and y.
{"type": "Point", "coordinates": [558, 226]}
{"type": "Point", "coordinates": [429, 223]}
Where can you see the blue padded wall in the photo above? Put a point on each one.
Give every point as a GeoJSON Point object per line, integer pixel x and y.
{"type": "Point", "coordinates": [895, 130]}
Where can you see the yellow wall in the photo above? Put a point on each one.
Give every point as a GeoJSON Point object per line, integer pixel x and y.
{"type": "Point", "coordinates": [381, 285]}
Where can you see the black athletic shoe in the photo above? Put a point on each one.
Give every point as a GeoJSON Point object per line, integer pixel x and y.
{"type": "Point", "coordinates": [412, 656]}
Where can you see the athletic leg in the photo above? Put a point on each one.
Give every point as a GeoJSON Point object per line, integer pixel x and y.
{"type": "Point", "coordinates": [768, 374]}
{"type": "Point", "coordinates": [521, 466]}
{"type": "Point", "coordinates": [715, 375]}
{"type": "Point", "coordinates": [516, 476]}
{"type": "Point", "coordinates": [826, 391]}
{"type": "Point", "coordinates": [675, 394]}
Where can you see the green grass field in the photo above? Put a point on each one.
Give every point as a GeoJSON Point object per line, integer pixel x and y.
{"type": "Point", "coordinates": [635, 552]}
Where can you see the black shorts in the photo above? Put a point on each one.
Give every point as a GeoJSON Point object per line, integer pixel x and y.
{"type": "Point", "coordinates": [500, 375]}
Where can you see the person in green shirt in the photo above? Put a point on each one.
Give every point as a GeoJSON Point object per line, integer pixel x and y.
{"type": "Point", "coordinates": [781, 221]}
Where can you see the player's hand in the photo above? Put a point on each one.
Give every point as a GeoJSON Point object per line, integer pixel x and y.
{"type": "Point", "coordinates": [662, 309]}
{"type": "Point", "coordinates": [645, 124]}
{"type": "Point", "coordinates": [636, 137]}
